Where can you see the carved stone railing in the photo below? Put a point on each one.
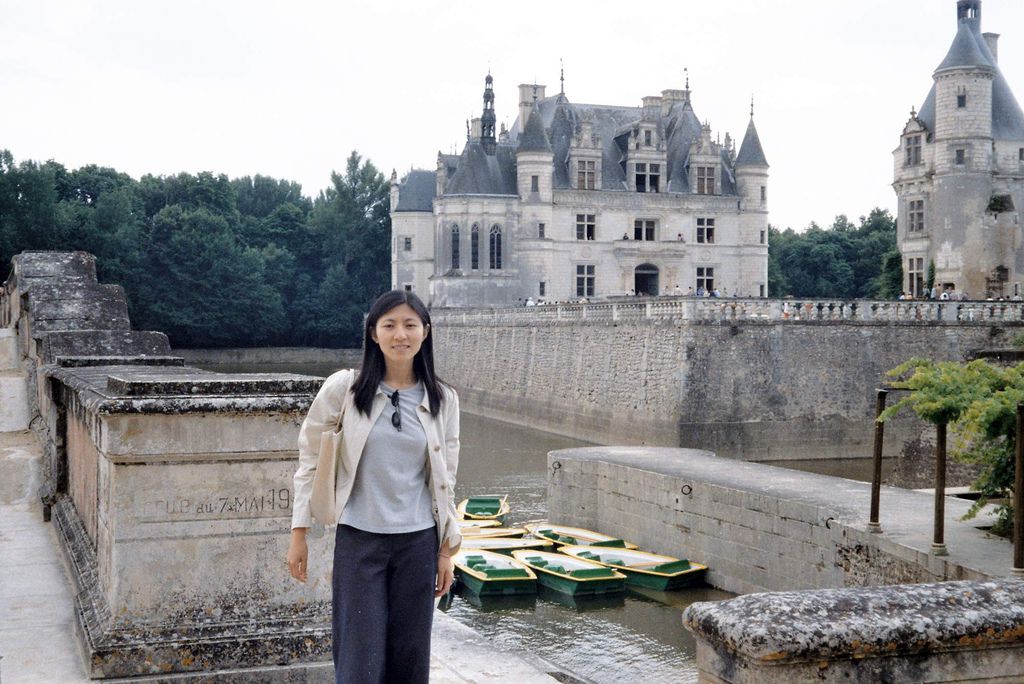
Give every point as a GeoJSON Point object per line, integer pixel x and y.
{"type": "Point", "coordinates": [718, 310]}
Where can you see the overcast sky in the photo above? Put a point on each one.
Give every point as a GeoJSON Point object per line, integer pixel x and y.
{"type": "Point", "coordinates": [289, 89]}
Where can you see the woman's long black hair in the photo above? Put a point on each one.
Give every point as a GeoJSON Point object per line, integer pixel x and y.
{"type": "Point", "coordinates": [372, 373]}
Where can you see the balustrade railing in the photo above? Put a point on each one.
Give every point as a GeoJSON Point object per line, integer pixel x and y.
{"type": "Point", "coordinates": [701, 309]}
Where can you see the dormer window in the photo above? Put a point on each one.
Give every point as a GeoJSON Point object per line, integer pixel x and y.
{"type": "Point", "coordinates": [705, 180]}
{"type": "Point", "coordinates": [586, 174]}
{"type": "Point", "coordinates": [913, 150]}
{"type": "Point", "coordinates": [647, 138]}
{"type": "Point", "coordinates": [647, 177]}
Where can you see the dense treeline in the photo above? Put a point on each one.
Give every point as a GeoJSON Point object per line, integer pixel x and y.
{"type": "Point", "coordinates": [251, 261]}
{"type": "Point", "coordinates": [843, 261]}
{"type": "Point", "coordinates": [212, 261]}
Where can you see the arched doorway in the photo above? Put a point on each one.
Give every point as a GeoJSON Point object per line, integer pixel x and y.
{"type": "Point", "coordinates": [645, 280]}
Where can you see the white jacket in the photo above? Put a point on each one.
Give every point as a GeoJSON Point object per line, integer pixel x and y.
{"type": "Point", "coordinates": [442, 434]}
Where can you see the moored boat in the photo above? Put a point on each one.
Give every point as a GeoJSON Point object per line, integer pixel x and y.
{"type": "Point", "coordinates": [505, 544]}
{"type": "Point", "coordinates": [486, 573]}
{"type": "Point", "coordinates": [562, 535]}
{"type": "Point", "coordinates": [643, 569]}
{"type": "Point", "coordinates": [478, 523]}
{"type": "Point", "coordinates": [571, 576]}
{"type": "Point", "coordinates": [474, 531]}
{"type": "Point", "coordinates": [484, 508]}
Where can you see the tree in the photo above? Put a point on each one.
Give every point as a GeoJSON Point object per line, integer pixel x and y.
{"type": "Point", "coordinates": [841, 261]}
{"type": "Point", "coordinates": [202, 288]}
{"type": "Point", "coordinates": [979, 403]}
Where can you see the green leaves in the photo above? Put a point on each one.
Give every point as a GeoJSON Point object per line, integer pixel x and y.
{"type": "Point", "coordinates": [843, 261]}
{"type": "Point", "coordinates": [979, 402]}
{"type": "Point", "coordinates": [211, 261]}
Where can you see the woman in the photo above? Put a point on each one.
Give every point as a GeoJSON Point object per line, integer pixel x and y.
{"type": "Point", "coordinates": [397, 525]}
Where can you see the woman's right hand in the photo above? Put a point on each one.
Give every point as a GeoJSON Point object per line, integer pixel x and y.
{"type": "Point", "coordinates": [298, 554]}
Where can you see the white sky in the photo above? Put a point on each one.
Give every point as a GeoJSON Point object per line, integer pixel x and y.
{"type": "Point", "coordinates": [289, 89]}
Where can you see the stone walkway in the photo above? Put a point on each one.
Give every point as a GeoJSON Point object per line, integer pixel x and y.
{"type": "Point", "coordinates": [37, 631]}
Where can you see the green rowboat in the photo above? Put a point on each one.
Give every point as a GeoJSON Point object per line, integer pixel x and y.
{"type": "Point", "coordinates": [643, 569]}
{"type": "Point", "coordinates": [505, 545]}
{"type": "Point", "coordinates": [570, 575]}
{"type": "Point", "coordinates": [486, 532]}
{"type": "Point", "coordinates": [575, 536]}
{"type": "Point", "coordinates": [486, 573]}
{"type": "Point", "coordinates": [484, 508]}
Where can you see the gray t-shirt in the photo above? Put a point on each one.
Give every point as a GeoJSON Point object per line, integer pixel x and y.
{"type": "Point", "coordinates": [390, 494]}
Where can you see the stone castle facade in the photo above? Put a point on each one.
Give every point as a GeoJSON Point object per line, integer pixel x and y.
{"type": "Point", "coordinates": [579, 200]}
{"type": "Point", "coordinates": [959, 173]}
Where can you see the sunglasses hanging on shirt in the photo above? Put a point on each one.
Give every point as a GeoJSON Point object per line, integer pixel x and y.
{"type": "Point", "coordinates": [396, 417]}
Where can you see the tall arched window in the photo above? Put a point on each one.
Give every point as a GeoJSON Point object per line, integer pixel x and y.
{"type": "Point", "coordinates": [495, 247]}
{"type": "Point", "coordinates": [474, 247]}
{"type": "Point", "coordinates": [455, 247]}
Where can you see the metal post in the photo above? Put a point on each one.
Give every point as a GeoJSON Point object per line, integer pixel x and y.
{"type": "Point", "coordinates": [1018, 496]}
{"type": "Point", "coordinates": [876, 476]}
{"type": "Point", "coordinates": [938, 544]}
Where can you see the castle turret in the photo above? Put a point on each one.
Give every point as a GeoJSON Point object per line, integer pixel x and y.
{"type": "Point", "coordinates": [957, 172]}
{"type": "Point", "coordinates": [752, 169]}
{"type": "Point", "coordinates": [534, 160]}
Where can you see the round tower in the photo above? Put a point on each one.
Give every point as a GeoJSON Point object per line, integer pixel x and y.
{"type": "Point", "coordinates": [534, 161]}
{"type": "Point", "coordinates": [963, 95]}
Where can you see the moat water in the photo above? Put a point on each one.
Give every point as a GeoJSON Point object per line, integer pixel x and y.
{"type": "Point", "coordinates": [638, 636]}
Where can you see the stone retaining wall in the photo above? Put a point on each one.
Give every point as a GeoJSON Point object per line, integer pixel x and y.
{"type": "Point", "coordinates": [761, 528]}
{"type": "Point", "coordinates": [745, 387]}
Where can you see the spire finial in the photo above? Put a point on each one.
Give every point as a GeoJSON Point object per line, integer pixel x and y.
{"type": "Point", "coordinates": [561, 66]}
{"type": "Point", "coordinates": [913, 112]}
{"type": "Point", "coordinates": [686, 70]}
{"type": "Point", "coordinates": [467, 130]}
{"type": "Point", "coordinates": [534, 91]}
{"type": "Point", "coordinates": [751, 106]}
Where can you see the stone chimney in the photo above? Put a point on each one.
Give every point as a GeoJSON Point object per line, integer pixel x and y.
{"type": "Point", "coordinates": [652, 106]}
{"type": "Point", "coordinates": [475, 128]}
{"type": "Point", "coordinates": [526, 98]}
{"type": "Point", "coordinates": [992, 39]}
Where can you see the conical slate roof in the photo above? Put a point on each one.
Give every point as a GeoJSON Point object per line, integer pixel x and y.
{"type": "Point", "coordinates": [970, 49]}
{"type": "Point", "coordinates": [751, 153]}
{"type": "Point", "coordinates": [965, 50]}
{"type": "Point", "coordinates": [534, 138]}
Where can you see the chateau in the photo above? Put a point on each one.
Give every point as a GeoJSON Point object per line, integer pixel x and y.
{"type": "Point", "coordinates": [959, 173]}
{"type": "Point", "coordinates": [579, 200]}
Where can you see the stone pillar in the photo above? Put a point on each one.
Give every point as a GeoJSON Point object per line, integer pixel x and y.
{"type": "Point", "coordinates": [175, 520]}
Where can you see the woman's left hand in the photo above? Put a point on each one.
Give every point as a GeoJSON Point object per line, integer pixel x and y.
{"type": "Point", "coordinates": [445, 574]}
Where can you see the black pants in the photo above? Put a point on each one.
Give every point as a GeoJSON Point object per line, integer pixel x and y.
{"type": "Point", "coordinates": [383, 605]}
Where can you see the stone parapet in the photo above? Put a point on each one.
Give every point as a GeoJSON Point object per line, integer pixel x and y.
{"type": "Point", "coordinates": [718, 310]}
{"type": "Point", "coordinates": [701, 374]}
{"type": "Point", "coordinates": [170, 487]}
{"type": "Point", "coordinates": [946, 632]}
{"type": "Point", "coordinates": [175, 519]}
{"type": "Point", "coordinates": [761, 528]}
